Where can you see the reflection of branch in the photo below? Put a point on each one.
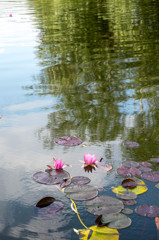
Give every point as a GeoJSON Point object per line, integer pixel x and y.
{"type": "Point", "coordinates": [140, 101]}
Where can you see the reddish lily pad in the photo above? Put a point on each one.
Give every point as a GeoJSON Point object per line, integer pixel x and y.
{"type": "Point", "coordinates": [46, 178]}
{"type": "Point", "coordinates": [145, 169]}
{"type": "Point", "coordinates": [145, 164]}
{"type": "Point", "coordinates": [156, 160]}
{"type": "Point", "coordinates": [81, 192]}
{"type": "Point", "coordinates": [60, 173]}
{"type": "Point", "coordinates": [125, 171]}
{"type": "Point", "coordinates": [51, 210]}
{"type": "Point", "coordinates": [68, 141]}
{"type": "Point", "coordinates": [151, 176]}
{"type": "Point", "coordinates": [129, 183]}
{"type": "Point", "coordinates": [127, 195]}
{"type": "Point", "coordinates": [130, 202]}
{"type": "Point", "coordinates": [129, 144]}
{"type": "Point", "coordinates": [114, 220]}
{"type": "Point", "coordinates": [104, 205]}
{"type": "Point", "coordinates": [147, 210]}
{"type": "Point", "coordinates": [80, 180]}
{"type": "Point", "coordinates": [44, 202]}
{"type": "Point", "coordinates": [130, 164]}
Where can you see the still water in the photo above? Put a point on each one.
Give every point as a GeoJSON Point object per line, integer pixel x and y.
{"type": "Point", "coordinates": [86, 68]}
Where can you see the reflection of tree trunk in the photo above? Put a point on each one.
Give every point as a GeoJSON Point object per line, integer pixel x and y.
{"type": "Point", "coordinates": [140, 101]}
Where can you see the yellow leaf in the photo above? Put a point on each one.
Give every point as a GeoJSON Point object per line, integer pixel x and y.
{"type": "Point", "coordinates": [137, 190]}
{"type": "Point", "coordinates": [83, 145]}
{"type": "Point", "coordinates": [98, 233]}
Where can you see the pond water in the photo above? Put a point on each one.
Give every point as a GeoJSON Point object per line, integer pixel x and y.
{"type": "Point", "coordinates": [86, 68]}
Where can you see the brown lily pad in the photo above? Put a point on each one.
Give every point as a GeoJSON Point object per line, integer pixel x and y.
{"type": "Point", "coordinates": [129, 183]}
{"type": "Point", "coordinates": [68, 141]}
{"type": "Point", "coordinates": [44, 202]}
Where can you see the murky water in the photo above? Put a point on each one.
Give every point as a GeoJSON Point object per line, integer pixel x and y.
{"type": "Point", "coordinates": [83, 68]}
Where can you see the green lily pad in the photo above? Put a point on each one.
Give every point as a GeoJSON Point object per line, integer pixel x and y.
{"type": "Point", "coordinates": [104, 205]}
{"type": "Point", "coordinates": [81, 192]}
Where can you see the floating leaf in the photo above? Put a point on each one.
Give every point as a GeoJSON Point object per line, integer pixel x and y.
{"type": "Point", "coordinates": [114, 220]}
{"type": "Point", "coordinates": [65, 182]}
{"type": "Point", "coordinates": [129, 183]}
{"type": "Point", "coordinates": [46, 178]}
{"type": "Point", "coordinates": [127, 211]}
{"type": "Point", "coordinates": [151, 176]}
{"type": "Point", "coordinates": [156, 160]}
{"type": "Point", "coordinates": [108, 167]}
{"type": "Point", "coordinates": [129, 144]}
{"type": "Point", "coordinates": [51, 210]}
{"type": "Point", "coordinates": [44, 202]}
{"type": "Point", "coordinates": [145, 169]}
{"type": "Point", "coordinates": [125, 171]}
{"type": "Point", "coordinates": [147, 210]}
{"type": "Point", "coordinates": [98, 233]}
{"type": "Point", "coordinates": [145, 164]}
{"type": "Point", "coordinates": [81, 192]}
{"type": "Point", "coordinates": [80, 180]}
{"type": "Point", "coordinates": [130, 164]}
{"type": "Point", "coordinates": [137, 190]}
{"type": "Point", "coordinates": [126, 195]}
{"type": "Point", "coordinates": [60, 173]}
{"type": "Point", "coordinates": [68, 141]}
{"type": "Point", "coordinates": [104, 205]}
{"type": "Point", "coordinates": [130, 202]}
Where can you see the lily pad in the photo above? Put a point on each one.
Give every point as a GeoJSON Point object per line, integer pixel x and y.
{"type": "Point", "coordinates": [68, 141]}
{"type": "Point", "coordinates": [98, 233]}
{"type": "Point", "coordinates": [130, 164]}
{"type": "Point", "coordinates": [44, 202]}
{"type": "Point", "coordinates": [125, 171]}
{"type": "Point", "coordinates": [51, 210]}
{"type": "Point", "coordinates": [145, 169]}
{"type": "Point", "coordinates": [129, 183]}
{"type": "Point", "coordinates": [137, 190]}
{"type": "Point", "coordinates": [147, 210]}
{"type": "Point", "coordinates": [129, 144]}
{"type": "Point", "coordinates": [145, 164]}
{"type": "Point", "coordinates": [114, 220]}
{"type": "Point", "coordinates": [126, 195]}
{"type": "Point", "coordinates": [104, 205]}
{"type": "Point", "coordinates": [60, 173]}
{"type": "Point", "coordinates": [156, 160]}
{"type": "Point", "coordinates": [151, 176]}
{"type": "Point", "coordinates": [46, 178]}
{"type": "Point", "coordinates": [130, 202]}
{"type": "Point", "coordinates": [65, 183]}
{"type": "Point", "coordinates": [127, 211]}
{"type": "Point", "coordinates": [80, 180]}
{"type": "Point", "coordinates": [81, 192]}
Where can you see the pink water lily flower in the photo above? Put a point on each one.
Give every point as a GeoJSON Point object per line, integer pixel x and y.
{"type": "Point", "coordinates": [89, 159]}
{"type": "Point", "coordinates": [57, 164]}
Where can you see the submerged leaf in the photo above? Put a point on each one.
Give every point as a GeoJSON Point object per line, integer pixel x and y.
{"type": "Point", "coordinates": [147, 210]}
{"type": "Point", "coordinates": [44, 202]}
{"type": "Point", "coordinates": [129, 144]}
{"type": "Point", "coordinates": [104, 205]}
{"type": "Point", "coordinates": [51, 210]}
{"type": "Point", "coordinates": [81, 192]}
{"type": "Point", "coordinates": [68, 141]}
